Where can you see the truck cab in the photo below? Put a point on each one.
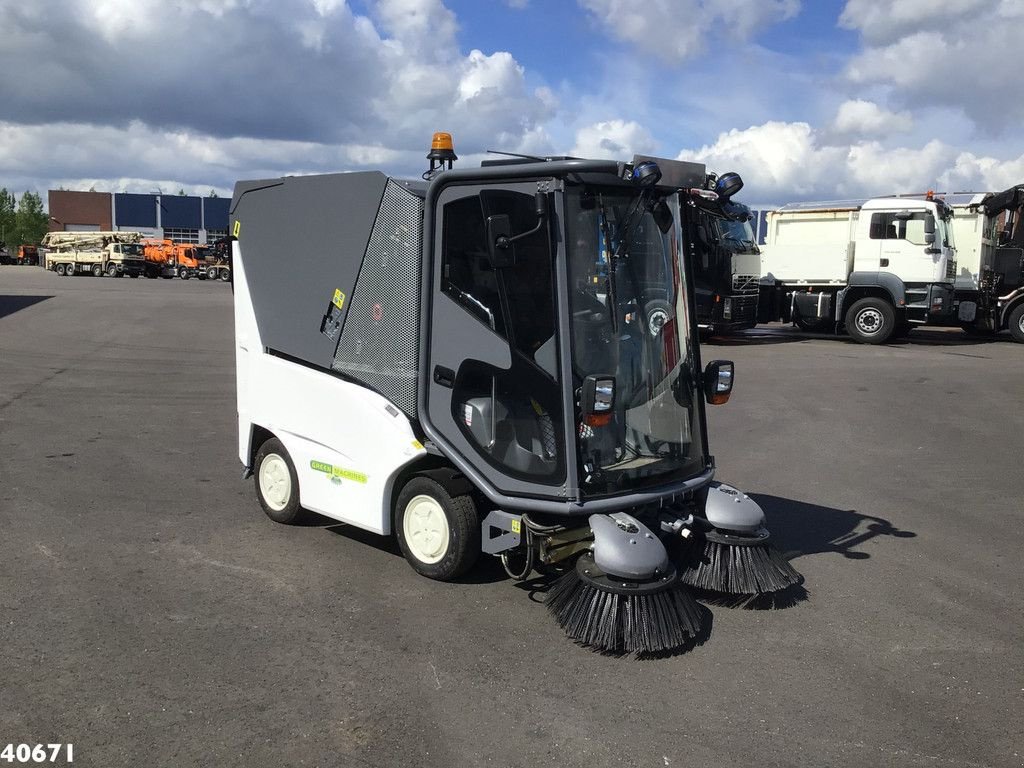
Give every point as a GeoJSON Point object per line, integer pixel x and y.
{"type": "Point", "coordinates": [726, 267]}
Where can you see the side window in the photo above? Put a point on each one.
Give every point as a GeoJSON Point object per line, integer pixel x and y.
{"type": "Point", "coordinates": [466, 273]}
{"type": "Point", "coordinates": [513, 418]}
{"type": "Point", "coordinates": [890, 225]}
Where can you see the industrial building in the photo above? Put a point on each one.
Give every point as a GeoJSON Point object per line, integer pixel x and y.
{"type": "Point", "coordinates": [182, 218]}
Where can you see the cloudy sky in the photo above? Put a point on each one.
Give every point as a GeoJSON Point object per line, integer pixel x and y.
{"type": "Point", "coordinates": [805, 98]}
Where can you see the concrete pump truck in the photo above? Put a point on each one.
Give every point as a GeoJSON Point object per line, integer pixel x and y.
{"type": "Point", "coordinates": [469, 364]}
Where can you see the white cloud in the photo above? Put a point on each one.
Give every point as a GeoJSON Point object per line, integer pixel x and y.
{"type": "Point", "coordinates": [679, 29]}
{"type": "Point", "coordinates": [614, 139]}
{"type": "Point", "coordinates": [860, 117]}
{"type": "Point", "coordinates": [949, 54]}
{"type": "Point", "coordinates": [785, 162]}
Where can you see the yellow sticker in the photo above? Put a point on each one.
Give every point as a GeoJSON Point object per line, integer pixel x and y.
{"type": "Point", "coordinates": [339, 298]}
{"type": "Point", "coordinates": [237, 228]}
{"type": "Point", "coordinates": [515, 526]}
{"type": "Point", "coordinates": [339, 472]}
{"type": "Point", "coordinates": [417, 445]}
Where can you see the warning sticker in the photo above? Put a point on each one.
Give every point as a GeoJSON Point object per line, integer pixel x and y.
{"type": "Point", "coordinates": [339, 298]}
{"type": "Point", "coordinates": [237, 229]}
{"type": "Point", "coordinates": [339, 472]}
{"type": "Point", "coordinates": [467, 415]}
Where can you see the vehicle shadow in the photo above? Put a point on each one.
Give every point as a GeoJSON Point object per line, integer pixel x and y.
{"type": "Point", "coordinates": [783, 334]}
{"type": "Point", "coordinates": [11, 304]}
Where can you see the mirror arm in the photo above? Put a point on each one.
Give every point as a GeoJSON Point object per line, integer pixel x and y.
{"type": "Point", "coordinates": [505, 241]}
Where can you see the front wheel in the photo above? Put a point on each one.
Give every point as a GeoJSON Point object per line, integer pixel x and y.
{"type": "Point", "coordinates": [111, 270]}
{"type": "Point", "coordinates": [439, 534]}
{"type": "Point", "coordinates": [97, 270]}
{"type": "Point", "coordinates": [871, 321]}
{"type": "Point", "coordinates": [277, 485]}
{"type": "Point", "coordinates": [1016, 324]}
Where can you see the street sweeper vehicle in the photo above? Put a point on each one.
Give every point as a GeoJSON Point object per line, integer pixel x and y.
{"type": "Point", "coordinates": [467, 363]}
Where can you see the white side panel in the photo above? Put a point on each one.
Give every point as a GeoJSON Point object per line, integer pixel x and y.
{"type": "Point", "coordinates": [347, 446]}
{"type": "Point", "coordinates": [973, 246]}
{"type": "Point", "coordinates": [821, 263]}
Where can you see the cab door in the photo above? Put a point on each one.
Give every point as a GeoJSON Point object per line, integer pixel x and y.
{"type": "Point", "coordinates": [493, 395]}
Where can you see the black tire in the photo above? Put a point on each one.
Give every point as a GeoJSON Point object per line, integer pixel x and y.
{"type": "Point", "coordinates": [111, 270]}
{"type": "Point", "coordinates": [657, 313]}
{"type": "Point", "coordinates": [59, 269]}
{"type": "Point", "coordinates": [1016, 324]}
{"type": "Point", "coordinates": [211, 273]}
{"type": "Point", "coordinates": [183, 273]}
{"type": "Point", "coordinates": [97, 270]}
{"type": "Point", "coordinates": [271, 460]}
{"type": "Point", "coordinates": [225, 275]}
{"type": "Point", "coordinates": [871, 321]}
{"type": "Point", "coordinates": [456, 553]}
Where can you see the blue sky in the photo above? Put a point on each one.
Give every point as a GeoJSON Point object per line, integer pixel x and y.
{"type": "Point", "coordinates": [825, 99]}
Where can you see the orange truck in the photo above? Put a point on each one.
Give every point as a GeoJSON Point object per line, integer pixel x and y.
{"type": "Point", "coordinates": [167, 259]}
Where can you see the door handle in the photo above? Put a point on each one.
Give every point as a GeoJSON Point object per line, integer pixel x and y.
{"type": "Point", "coordinates": [444, 376]}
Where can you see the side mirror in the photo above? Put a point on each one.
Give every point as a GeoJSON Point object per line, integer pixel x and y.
{"type": "Point", "coordinates": [597, 399]}
{"type": "Point", "coordinates": [929, 224]}
{"type": "Point", "coordinates": [929, 238]}
{"type": "Point", "coordinates": [718, 378]}
{"type": "Point", "coordinates": [499, 231]}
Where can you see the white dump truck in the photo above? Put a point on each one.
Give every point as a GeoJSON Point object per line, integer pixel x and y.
{"type": "Point", "coordinates": [877, 267]}
{"type": "Point", "coordinates": [113, 254]}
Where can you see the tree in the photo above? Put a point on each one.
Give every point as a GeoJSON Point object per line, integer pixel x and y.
{"type": "Point", "coordinates": [7, 202]}
{"type": "Point", "coordinates": [30, 220]}
{"type": "Point", "coordinates": [213, 193]}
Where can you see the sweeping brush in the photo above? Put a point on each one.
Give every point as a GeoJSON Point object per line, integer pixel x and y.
{"type": "Point", "coordinates": [618, 615]}
{"type": "Point", "coordinates": [737, 564]}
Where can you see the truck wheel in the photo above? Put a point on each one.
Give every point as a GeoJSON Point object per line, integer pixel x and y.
{"type": "Point", "coordinates": [111, 270]}
{"type": "Point", "coordinates": [225, 275]}
{"type": "Point", "coordinates": [439, 534]}
{"type": "Point", "coordinates": [183, 274]}
{"type": "Point", "coordinates": [658, 313]}
{"type": "Point", "coordinates": [69, 270]}
{"type": "Point", "coordinates": [870, 321]}
{"type": "Point", "coordinates": [211, 273]}
{"type": "Point", "coordinates": [1016, 324]}
{"type": "Point", "coordinates": [277, 485]}
{"type": "Point", "coordinates": [97, 270]}
{"type": "Point", "coordinates": [59, 269]}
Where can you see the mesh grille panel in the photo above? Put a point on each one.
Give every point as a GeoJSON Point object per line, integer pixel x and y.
{"type": "Point", "coordinates": [379, 343]}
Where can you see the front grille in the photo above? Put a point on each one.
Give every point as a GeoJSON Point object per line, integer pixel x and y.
{"type": "Point", "coordinates": [951, 268]}
{"type": "Point", "coordinates": [744, 309]}
{"type": "Point", "coordinates": [745, 283]}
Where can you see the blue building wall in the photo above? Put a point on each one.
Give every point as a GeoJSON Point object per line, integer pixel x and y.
{"type": "Point", "coordinates": [181, 212]}
{"type": "Point", "coordinates": [134, 210]}
{"type": "Point", "coordinates": [215, 212]}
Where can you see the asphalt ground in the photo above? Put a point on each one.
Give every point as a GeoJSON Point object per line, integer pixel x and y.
{"type": "Point", "coordinates": [150, 614]}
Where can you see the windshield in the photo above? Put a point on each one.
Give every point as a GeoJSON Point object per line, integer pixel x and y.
{"type": "Point", "coordinates": [131, 250]}
{"type": "Point", "coordinates": [630, 321]}
{"type": "Point", "coordinates": [735, 231]}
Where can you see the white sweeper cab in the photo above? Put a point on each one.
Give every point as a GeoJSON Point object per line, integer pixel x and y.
{"type": "Point", "coordinates": [467, 363]}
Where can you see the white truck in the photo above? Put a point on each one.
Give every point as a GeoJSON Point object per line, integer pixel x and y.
{"type": "Point", "coordinates": [877, 266]}
{"type": "Point", "coordinates": [113, 254]}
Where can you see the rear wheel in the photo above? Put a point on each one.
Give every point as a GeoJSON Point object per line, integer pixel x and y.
{"type": "Point", "coordinates": [1016, 324]}
{"type": "Point", "coordinates": [277, 485]}
{"type": "Point", "coordinates": [439, 534]}
{"type": "Point", "coordinates": [60, 270]}
{"type": "Point", "coordinates": [211, 273]}
{"type": "Point", "coordinates": [871, 321]}
{"type": "Point", "coordinates": [97, 270]}
{"type": "Point", "coordinates": [225, 275]}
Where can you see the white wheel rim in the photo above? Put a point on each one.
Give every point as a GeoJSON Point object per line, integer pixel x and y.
{"type": "Point", "coordinates": [275, 482]}
{"type": "Point", "coordinates": [869, 321]}
{"type": "Point", "coordinates": [1020, 323]}
{"type": "Point", "coordinates": [426, 529]}
{"type": "Point", "coordinates": [657, 321]}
